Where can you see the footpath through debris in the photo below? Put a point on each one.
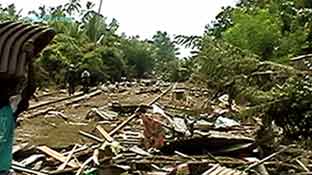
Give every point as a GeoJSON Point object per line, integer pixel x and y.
{"type": "Point", "coordinates": [144, 128]}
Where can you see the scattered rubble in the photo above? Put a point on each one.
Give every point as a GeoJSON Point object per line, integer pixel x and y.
{"type": "Point", "coordinates": [146, 138]}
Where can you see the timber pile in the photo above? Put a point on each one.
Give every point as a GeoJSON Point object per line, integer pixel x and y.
{"type": "Point", "coordinates": [152, 141]}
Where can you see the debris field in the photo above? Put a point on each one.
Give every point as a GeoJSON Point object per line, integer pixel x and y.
{"type": "Point", "coordinates": [147, 128]}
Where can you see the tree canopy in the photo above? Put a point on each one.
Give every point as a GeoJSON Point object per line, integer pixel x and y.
{"type": "Point", "coordinates": [89, 41]}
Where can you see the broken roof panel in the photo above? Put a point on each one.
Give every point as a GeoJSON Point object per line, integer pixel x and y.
{"type": "Point", "coordinates": [19, 43]}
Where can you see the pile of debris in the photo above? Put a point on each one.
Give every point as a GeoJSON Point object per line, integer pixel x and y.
{"type": "Point", "coordinates": [154, 141]}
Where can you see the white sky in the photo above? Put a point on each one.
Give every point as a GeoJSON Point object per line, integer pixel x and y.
{"type": "Point", "coordinates": [145, 17]}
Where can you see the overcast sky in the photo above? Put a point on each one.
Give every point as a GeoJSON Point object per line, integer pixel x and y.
{"type": "Point", "coordinates": [145, 17]}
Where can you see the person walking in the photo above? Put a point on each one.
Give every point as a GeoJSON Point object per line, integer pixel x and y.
{"type": "Point", "coordinates": [85, 80]}
{"type": "Point", "coordinates": [70, 79]}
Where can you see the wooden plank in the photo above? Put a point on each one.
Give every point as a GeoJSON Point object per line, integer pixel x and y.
{"type": "Point", "coordinates": [104, 133]}
{"type": "Point", "coordinates": [27, 170]}
{"type": "Point", "coordinates": [17, 148]}
{"type": "Point", "coordinates": [73, 99]}
{"type": "Point", "coordinates": [213, 168]}
{"type": "Point", "coordinates": [100, 114]}
{"type": "Point", "coordinates": [82, 167]}
{"type": "Point", "coordinates": [65, 171]}
{"type": "Point", "coordinates": [90, 136]}
{"type": "Point", "coordinates": [56, 155]}
{"type": "Point", "coordinates": [31, 159]}
{"type": "Point", "coordinates": [84, 97]}
{"type": "Point", "coordinates": [62, 167]}
{"type": "Point", "coordinates": [53, 101]}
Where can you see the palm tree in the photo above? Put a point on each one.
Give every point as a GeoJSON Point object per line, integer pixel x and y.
{"type": "Point", "coordinates": [9, 13]}
{"type": "Point", "coordinates": [94, 25]}
{"type": "Point", "coordinates": [73, 6]}
{"type": "Point", "coordinates": [42, 14]}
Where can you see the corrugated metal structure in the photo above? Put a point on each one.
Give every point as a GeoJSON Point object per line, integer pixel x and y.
{"type": "Point", "coordinates": [20, 43]}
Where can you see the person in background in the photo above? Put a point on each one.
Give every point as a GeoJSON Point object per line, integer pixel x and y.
{"type": "Point", "coordinates": [85, 80]}
{"type": "Point", "coordinates": [70, 79]}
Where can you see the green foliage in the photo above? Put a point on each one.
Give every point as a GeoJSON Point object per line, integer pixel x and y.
{"type": "Point", "coordinates": [258, 32]}
{"type": "Point", "coordinates": [105, 63]}
{"type": "Point", "coordinates": [54, 62]}
{"type": "Point", "coordinates": [179, 71]}
{"type": "Point", "coordinates": [9, 13]}
{"type": "Point", "coordinates": [222, 22]}
{"type": "Point", "coordinates": [250, 46]}
{"type": "Point", "coordinates": [139, 56]}
{"type": "Point", "coordinates": [166, 52]}
{"type": "Point", "coordinates": [293, 111]}
{"type": "Point", "coordinates": [87, 40]}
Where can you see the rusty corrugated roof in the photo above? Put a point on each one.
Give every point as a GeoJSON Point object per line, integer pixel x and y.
{"type": "Point", "coordinates": [19, 43]}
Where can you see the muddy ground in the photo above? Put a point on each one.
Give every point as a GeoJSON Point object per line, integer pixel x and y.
{"type": "Point", "coordinates": [54, 131]}
{"type": "Point", "coordinates": [57, 125]}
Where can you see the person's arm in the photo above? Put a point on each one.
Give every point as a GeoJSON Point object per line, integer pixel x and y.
{"type": "Point", "coordinates": [27, 92]}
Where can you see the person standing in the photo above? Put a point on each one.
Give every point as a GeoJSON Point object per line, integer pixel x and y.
{"type": "Point", "coordinates": [70, 79]}
{"type": "Point", "coordinates": [7, 125]}
{"type": "Point", "coordinates": [17, 87]}
{"type": "Point", "coordinates": [85, 80]}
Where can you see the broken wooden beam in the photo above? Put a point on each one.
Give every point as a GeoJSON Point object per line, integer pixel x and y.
{"type": "Point", "coordinates": [75, 98]}
{"type": "Point", "coordinates": [53, 101]}
{"type": "Point", "coordinates": [82, 167]}
{"type": "Point", "coordinates": [267, 158]}
{"type": "Point", "coordinates": [64, 171]}
{"type": "Point", "coordinates": [31, 159]}
{"type": "Point", "coordinates": [85, 96]}
{"type": "Point", "coordinates": [17, 148]}
{"type": "Point", "coordinates": [90, 136]}
{"type": "Point", "coordinates": [27, 170]}
{"type": "Point", "coordinates": [104, 134]}
{"type": "Point", "coordinates": [56, 155]}
{"type": "Point", "coordinates": [62, 167]}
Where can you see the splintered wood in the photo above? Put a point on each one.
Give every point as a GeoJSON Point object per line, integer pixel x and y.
{"type": "Point", "coordinates": [156, 133]}
{"type": "Point", "coordinates": [58, 156]}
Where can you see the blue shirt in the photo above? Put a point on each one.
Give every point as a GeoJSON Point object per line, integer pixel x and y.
{"type": "Point", "coordinates": [7, 125]}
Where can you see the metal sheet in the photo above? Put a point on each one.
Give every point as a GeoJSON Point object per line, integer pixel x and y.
{"type": "Point", "coordinates": [40, 40]}
{"type": "Point", "coordinates": [14, 36]}
{"type": "Point", "coordinates": [8, 45]}
{"type": "Point", "coordinates": [18, 46]}
{"type": "Point", "coordinates": [5, 32]}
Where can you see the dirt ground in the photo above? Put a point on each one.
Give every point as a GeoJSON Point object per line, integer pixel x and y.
{"type": "Point", "coordinates": [54, 131]}
{"type": "Point", "coordinates": [58, 126]}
